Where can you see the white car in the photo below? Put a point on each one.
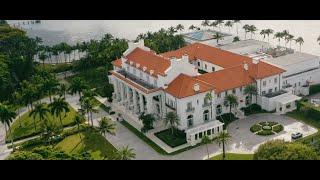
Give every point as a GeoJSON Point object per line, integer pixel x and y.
{"type": "Point", "coordinates": [296, 135]}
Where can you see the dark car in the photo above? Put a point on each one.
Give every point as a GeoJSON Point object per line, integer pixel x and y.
{"type": "Point", "coordinates": [296, 135]}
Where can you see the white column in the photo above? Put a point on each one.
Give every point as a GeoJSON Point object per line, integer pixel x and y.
{"type": "Point", "coordinates": [116, 90]}
{"type": "Point", "coordinates": [141, 103]}
{"type": "Point", "coordinates": [149, 105]}
{"type": "Point", "coordinates": [135, 106]}
{"type": "Point", "coordinates": [121, 92]}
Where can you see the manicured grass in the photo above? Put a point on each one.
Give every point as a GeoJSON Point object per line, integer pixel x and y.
{"type": "Point", "coordinates": [233, 156]}
{"type": "Point", "coordinates": [90, 141]}
{"type": "Point", "coordinates": [314, 89]}
{"type": "Point", "coordinates": [265, 133]}
{"type": "Point", "coordinates": [278, 128]}
{"type": "Point", "coordinates": [301, 117]}
{"type": "Point", "coordinates": [255, 128]}
{"type": "Point", "coordinates": [27, 124]}
{"type": "Point", "coordinates": [173, 140]}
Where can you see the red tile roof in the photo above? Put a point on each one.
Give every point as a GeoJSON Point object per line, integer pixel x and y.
{"type": "Point", "coordinates": [210, 54]}
{"type": "Point", "coordinates": [263, 69]}
{"type": "Point", "coordinates": [150, 60]}
{"type": "Point", "coordinates": [183, 86]}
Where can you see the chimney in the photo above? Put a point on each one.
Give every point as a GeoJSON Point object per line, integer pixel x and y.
{"type": "Point", "coordinates": [196, 87]}
{"type": "Point", "coordinates": [137, 65]}
{"type": "Point", "coordinates": [185, 57]}
{"type": "Point", "coordinates": [131, 62]}
{"type": "Point", "coordinates": [144, 68]}
{"type": "Point", "coordinates": [151, 72]}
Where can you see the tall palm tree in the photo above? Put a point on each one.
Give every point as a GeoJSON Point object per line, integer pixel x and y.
{"type": "Point", "coordinates": [172, 120]}
{"type": "Point", "coordinates": [50, 85]}
{"type": "Point", "coordinates": [229, 24]}
{"type": "Point", "coordinates": [279, 36]}
{"type": "Point", "coordinates": [125, 153]}
{"type": "Point", "coordinates": [285, 34]}
{"type": "Point", "coordinates": [219, 23]}
{"type": "Point", "coordinates": [263, 33]}
{"type": "Point", "coordinates": [230, 101]}
{"type": "Point", "coordinates": [205, 23]}
{"type": "Point", "coordinates": [299, 41]}
{"type": "Point", "coordinates": [172, 30]}
{"type": "Point", "coordinates": [87, 105]}
{"type": "Point", "coordinates": [77, 85]}
{"type": "Point", "coordinates": [206, 140]}
{"type": "Point", "coordinates": [40, 110]}
{"type": "Point", "coordinates": [268, 32]}
{"type": "Point", "coordinates": [252, 29]}
{"type": "Point", "coordinates": [28, 93]}
{"type": "Point", "coordinates": [78, 120]}
{"type": "Point", "coordinates": [180, 27]}
{"type": "Point", "coordinates": [217, 36]}
{"type": "Point", "coordinates": [7, 115]}
{"type": "Point", "coordinates": [62, 90]}
{"type": "Point", "coordinates": [18, 102]}
{"type": "Point", "coordinates": [237, 22]}
{"type": "Point", "coordinates": [223, 138]}
{"type": "Point", "coordinates": [289, 38]}
{"type": "Point", "coordinates": [192, 27]}
{"type": "Point", "coordinates": [246, 28]}
{"type": "Point", "coordinates": [57, 107]}
{"type": "Point", "coordinates": [213, 25]}
{"type": "Point", "coordinates": [250, 90]}
{"type": "Point", "coordinates": [42, 57]}
{"type": "Point", "coordinates": [106, 126]}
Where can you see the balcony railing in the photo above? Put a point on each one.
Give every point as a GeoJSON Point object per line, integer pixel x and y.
{"type": "Point", "coordinates": [188, 110]}
{"type": "Point", "coordinates": [135, 79]}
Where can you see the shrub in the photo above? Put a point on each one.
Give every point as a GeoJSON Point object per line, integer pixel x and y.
{"type": "Point", "coordinates": [253, 109]}
{"type": "Point", "coordinates": [278, 128]}
{"type": "Point", "coordinates": [314, 89]}
{"type": "Point", "coordinates": [112, 112]}
{"type": "Point", "coordinates": [271, 123]}
{"type": "Point", "coordinates": [225, 118]}
{"type": "Point", "coordinates": [263, 123]}
{"type": "Point", "coordinates": [265, 133]}
{"type": "Point", "coordinates": [255, 128]}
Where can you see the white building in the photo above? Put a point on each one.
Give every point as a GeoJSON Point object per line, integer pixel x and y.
{"type": "Point", "coordinates": [157, 84]}
{"type": "Point", "coordinates": [302, 70]}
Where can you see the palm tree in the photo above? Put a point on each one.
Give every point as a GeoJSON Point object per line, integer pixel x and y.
{"type": "Point", "coordinates": [217, 36]}
{"type": "Point", "coordinates": [268, 32]}
{"type": "Point", "coordinates": [40, 110]}
{"type": "Point", "coordinates": [192, 27]}
{"type": "Point", "coordinates": [299, 41]}
{"type": "Point", "coordinates": [229, 24]}
{"type": "Point", "coordinates": [18, 102]}
{"type": "Point", "coordinates": [50, 85]}
{"type": "Point", "coordinates": [231, 101]}
{"type": "Point", "coordinates": [290, 37]}
{"type": "Point", "coordinates": [125, 153]}
{"type": "Point", "coordinates": [206, 140]}
{"type": "Point", "coordinates": [263, 33]}
{"type": "Point", "coordinates": [219, 23]}
{"type": "Point", "coordinates": [250, 90]}
{"type": "Point", "coordinates": [223, 138]}
{"type": "Point", "coordinates": [205, 23]}
{"type": "Point", "coordinates": [278, 35]}
{"type": "Point", "coordinates": [78, 120]}
{"type": "Point", "coordinates": [172, 120]}
{"type": "Point", "coordinates": [246, 30]}
{"type": "Point", "coordinates": [179, 27]}
{"type": "Point", "coordinates": [7, 115]}
{"type": "Point", "coordinates": [62, 90]}
{"type": "Point", "coordinates": [285, 34]}
{"type": "Point", "coordinates": [172, 30]}
{"type": "Point", "coordinates": [213, 25]}
{"type": "Point", "coordinates": [106, 126]}
{"type": "Point", "coordinates": [87, 105]}
{"type": "Point", "coordinates": [237, 22]}
{"type": "Point", "coordinates": [252, 29]}
{"type": "Point", "coordinates": [77, 85]}
{"type": "Point", "coordinates": [42, 57]}
{"type": "Point", "coordinates": [58, 106]}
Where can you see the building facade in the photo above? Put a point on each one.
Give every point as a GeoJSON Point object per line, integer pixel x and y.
{"type": "Point", "coordinates": [150, 83]}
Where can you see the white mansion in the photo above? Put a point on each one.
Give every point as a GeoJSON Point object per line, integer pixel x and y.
{"type": "Point", "coordinates": [159, 83]}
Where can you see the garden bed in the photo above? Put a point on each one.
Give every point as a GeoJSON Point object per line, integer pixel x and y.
{"type": "Point", "coordinates": [178, 137]}
{"type": "Point", "coordinates": [266, 128]}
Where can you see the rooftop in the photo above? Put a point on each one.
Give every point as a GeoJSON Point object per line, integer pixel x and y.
{"type": "Point", "coordinates": [203, 35]}
{"type": "Point", "coordinates": [244, 43]}
{"type": "Point", "coordinates": [291, 59]}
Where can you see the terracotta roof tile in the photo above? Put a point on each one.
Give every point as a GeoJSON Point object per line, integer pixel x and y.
{"type": "Point", "coordinates": [263, 69]}
{"type": "Point", "coordinates": [183, 86]}
{"type": "Point", "coordinates": [210, 54]}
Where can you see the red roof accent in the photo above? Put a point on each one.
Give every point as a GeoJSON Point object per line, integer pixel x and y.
{"type": "Point", "coordinates": [263, 69]}
{"type": "Point", "coordinates": [150, 60]}
{"type": "Point", "coordinates": [183, 86]}
{"type": "Point", "coordinates": [210, 54]}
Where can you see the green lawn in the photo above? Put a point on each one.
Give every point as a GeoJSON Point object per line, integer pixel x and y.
{"type": "Point", "coordinates": [172, 140]}
{"type": "Point", "coordinates": [90, 141]}
{"type": "Point", "coordinates": [233, 156]}
{"type": "Point", "coordinates": [27, 124]}
{"type": "Point", "coordinates": [301, 117]}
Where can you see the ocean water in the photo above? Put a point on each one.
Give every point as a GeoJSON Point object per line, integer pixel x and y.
{"type": "Point", "coordinates": [73, 31]}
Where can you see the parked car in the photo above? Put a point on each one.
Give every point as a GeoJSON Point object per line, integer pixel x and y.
{"type": "Point", "coordinates": [296, 135]}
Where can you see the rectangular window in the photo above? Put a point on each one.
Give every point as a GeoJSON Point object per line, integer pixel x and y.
{"type": "Point", "coordinates": [275, 80]}
{"type": "Point", "coordinates": [264, 83]}
{"type": "Point", "coordinates": [200, 135]}
{"type": "Point", "coordinates": [197, 102]}
{"type": "Point", "coordinates": [270, 90]}
{"type": "Point", "coordinates": [226, 93]}
{"type": "Point", "coordinates": [189, 105]}
{"type": "Point", "coordinates": [199, 64]}
{"type": "Point", "coordinates": [219, 95]}
{"type": "Point", "coordinates": [241, 89]}
{"type": "Point", "coordinates": [213, 69]}
{"type": "Point", "coordinates": [218, 129]}
{"type": "Point", "coordinates": [299, 83]}
{"type": "Point", "coordinates": [212, 130]}
{"type": "Point", "coordinates": [196, 136]}
{"type": "Point", "coordinates": [209, 132]}
{"type": "Point", "coordinates": [234, 91]}
{"type": "Point", "coordinates": [263, 92]}
{"type": "Point", "coordinates": [275, 89]}
{"type": "Point", "coordinates": [205, 66]}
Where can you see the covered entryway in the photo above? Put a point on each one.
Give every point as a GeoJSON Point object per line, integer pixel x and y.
{"type": "Point", "coordinates": [286, 103]}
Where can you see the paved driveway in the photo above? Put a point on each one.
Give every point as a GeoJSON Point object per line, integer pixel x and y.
{"type": "Point", "coordinates": [243, 140]}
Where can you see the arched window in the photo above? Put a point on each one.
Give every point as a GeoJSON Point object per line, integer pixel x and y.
{"type": "Point", "coordinates": [206, 115]}
{"type": "Point", "coordinates": [190, 120]}
{"type": "Point", "coordinates": [219, 109]}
